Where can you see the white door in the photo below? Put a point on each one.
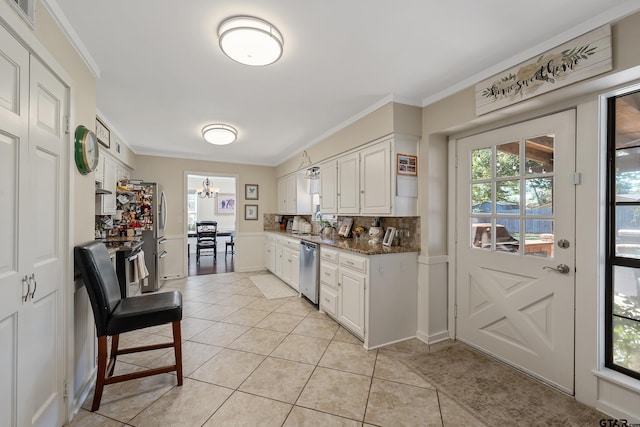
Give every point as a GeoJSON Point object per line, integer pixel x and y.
{"type": "Point", "coordinates": [14, 131]}
{"type": "Point", "coordinates": [328, 187]}
{"type": "Point", "coordinates": [375, 170]}
{"type": "Point", "coordinates": [351, 301]}
{"type": "Point", "coordinates": [292, 194]}
{"type": "Point", "coordinates": [515, 245]}
{"type": "Point", "coordinates": [33, 148]}
{"type": "Point", "coordinates": [48, 144]}
{"type": "Point", "coordinates": [349, 184]}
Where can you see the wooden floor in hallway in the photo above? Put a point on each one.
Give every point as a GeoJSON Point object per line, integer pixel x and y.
{"type": "Point", "coordinates": [210, 265]}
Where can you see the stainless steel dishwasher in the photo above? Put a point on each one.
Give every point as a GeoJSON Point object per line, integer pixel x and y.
{"type": "Point", "coordinates": [309, 270]}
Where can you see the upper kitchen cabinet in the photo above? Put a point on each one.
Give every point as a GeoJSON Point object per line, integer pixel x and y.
{"type": "Point", "coordinates": [375, 192]}
{"type": "Point", "coordinates": [108, 173]}
{"type": "Point", "coordinates": [329, 187]}
{"type": "Point", "coordinates": [349, 184]}
{"type": "Point", "coordinates": [375, 180]}
{"type": "Point", "coordinates": [294, 195]}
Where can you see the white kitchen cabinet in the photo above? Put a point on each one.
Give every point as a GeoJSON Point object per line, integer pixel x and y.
{"type": "Point", "coordinates": [349, 184]}
{"type": "Point", "coordinates": [282, 258]}
{"type": "Point", "coordinates": [329, 187]}
{"type": "Point", "coordinates": [34, 166]}
{"type": "Point", "coordinates": [329, 281]}
{"type": "Point", "coordinates": [270, 253]}
{"type": "Point", "coordinates": [373, 296]}
{"type": "Point", "coordinates": [278, 257]}
{"type": "Point", "coordinates": [122, 172]}
{"type": "Point", "coordinates": [108, 173]}
{"type": "Point", "coordinates": [282, 195]}
{"type": "Point", "coordinates": [366, 182]}
{"type": "Point", "coordinates": [106, 203]}
{"type": "Point", "coordinates": [375, 173]}
{"type": "Point", "coordinates": [291, 267]}
{"type": "Point", "coordinates": [352, 279]}
{"type": "Point", "coordinates": [293, 193]}
{"type": "Point", "coordinates": [99, 172]}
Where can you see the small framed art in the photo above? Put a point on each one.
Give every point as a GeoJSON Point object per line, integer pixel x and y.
{"type": "Point", "coordinates": [407, 164]}
{"type": "Point", "coordinates": [251, 191]}
{"type": "Point", "coordinates": [102, 133]}
{"type": "Point", "coordinates": [226, 204]}
{"type": "Point", "coordinates": [250, 212]}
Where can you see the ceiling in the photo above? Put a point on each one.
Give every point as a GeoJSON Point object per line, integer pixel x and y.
{"type": "Point", "coordinates": [162, 77]}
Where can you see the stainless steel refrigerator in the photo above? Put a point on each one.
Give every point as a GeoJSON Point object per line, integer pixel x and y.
{"type": "Point", "coordinates": [150, 218]}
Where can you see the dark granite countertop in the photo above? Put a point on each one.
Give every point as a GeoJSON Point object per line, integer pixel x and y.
{"type": "Point", "coordinates": [121, 244]}
{"type": "Point", "coordinates": [361, 245]}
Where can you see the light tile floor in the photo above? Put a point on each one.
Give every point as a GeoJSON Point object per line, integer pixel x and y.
{"type": "Point", "coordinates": [253, 361]}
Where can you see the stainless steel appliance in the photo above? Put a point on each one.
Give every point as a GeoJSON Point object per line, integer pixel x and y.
{"type": "Point", "coordinates": [148, 216]}
{"type": "Point", "coordinates": [309, 270]}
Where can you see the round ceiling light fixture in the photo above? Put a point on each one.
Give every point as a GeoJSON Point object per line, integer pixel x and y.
{"type": "Point", "coordinates": [250, 41]}
{"type": "Point", "coordinates": [219, 134]}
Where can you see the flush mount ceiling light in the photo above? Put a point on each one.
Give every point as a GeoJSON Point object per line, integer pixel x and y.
{"type": "Point", "coordinates": [219, 134]}
{"type": "Point", "coordinates": [250, 41]}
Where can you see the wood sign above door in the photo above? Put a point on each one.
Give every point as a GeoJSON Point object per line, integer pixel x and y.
{"type": "Point", "coordinates": [576, 60]}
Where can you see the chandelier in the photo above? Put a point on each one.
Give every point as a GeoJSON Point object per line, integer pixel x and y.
{"type": "Point", "coordinates": [207, 192]}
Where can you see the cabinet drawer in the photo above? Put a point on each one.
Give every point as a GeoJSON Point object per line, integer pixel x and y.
{"type": "Point", "coordinates": [353, 262]}
{"type": "Point", "coordinates": [328, 254]}
{"type": "Point", "coordinates": [291, 243]}
{"type": "Point", "coordinates": [328, 300]}
{"type": "Point", "coordinates": [329, 274]}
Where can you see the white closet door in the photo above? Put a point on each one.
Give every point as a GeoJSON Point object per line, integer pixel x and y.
{"type": "Point", "coordinates": [34, 147]}
{"type": "Point", "coordinates": [14, 131]}
{"type": "Point", "coordinates": [43, 346]}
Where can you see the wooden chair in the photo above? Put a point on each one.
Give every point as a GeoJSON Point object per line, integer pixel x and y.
{"type": "Point", "coordinates": [230, 244]}
{"type": "Point", "coordinates": [115, 315]}
{"type": "Point", "coordinates": [207, 235]}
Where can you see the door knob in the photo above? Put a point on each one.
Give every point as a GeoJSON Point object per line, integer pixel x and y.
{"type": "Point", "coordinates": [561, 268]}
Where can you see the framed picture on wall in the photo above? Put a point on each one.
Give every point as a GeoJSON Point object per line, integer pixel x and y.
{"type": "Point", "coordinates": [102, 133]}
{"type": "Point", "coordinates": [251, 191]}
{"type": "Point", "coordinates": [226, 204]}
{"type": "Point", "coordinates": [251, 212]}
{"type": "Point", "coordinates": [407, 164]}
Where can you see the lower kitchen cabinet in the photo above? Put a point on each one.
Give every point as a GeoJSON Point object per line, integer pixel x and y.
{"type": "Point", "coordinates": [351, 287]}
{"type": "Point", "coordinates": [270, 253]}
{"type": "Point", "coordinates": [372, 296]}
{"type": "Point", "coordinates": [291, 267]}
{"type": "Point", "coordinates": [282, 258]}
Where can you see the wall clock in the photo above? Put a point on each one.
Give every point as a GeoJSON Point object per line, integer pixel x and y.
{"type": "Point", "coordinates": [86, 150]}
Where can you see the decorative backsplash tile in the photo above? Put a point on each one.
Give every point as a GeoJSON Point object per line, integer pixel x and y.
{"type": "Point", "coordinates": [410, 226]}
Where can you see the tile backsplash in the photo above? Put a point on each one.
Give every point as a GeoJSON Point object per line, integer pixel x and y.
{"type": "Point", "coordinates": [409, 225]}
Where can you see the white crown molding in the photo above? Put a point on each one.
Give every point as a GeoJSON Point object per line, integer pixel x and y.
{"type": "Point", "coordinates": [59, 17]}
{"type": "Point", "coordinates": [378, 104]}
{"type": "Point", "coordinates": [614, 14]}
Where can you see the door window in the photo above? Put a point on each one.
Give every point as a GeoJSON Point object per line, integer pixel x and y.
{"type": "Point", "coordinates": [512, 197]}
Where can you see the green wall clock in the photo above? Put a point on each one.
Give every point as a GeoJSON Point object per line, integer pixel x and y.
{"type": "Point", "coordinates": [86, 150]}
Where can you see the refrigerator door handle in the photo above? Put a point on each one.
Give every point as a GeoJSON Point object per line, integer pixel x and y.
{"type": "Point", "coordinates": [163, 254]}
{"type": "Point", "coordinates": [163, 211]}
